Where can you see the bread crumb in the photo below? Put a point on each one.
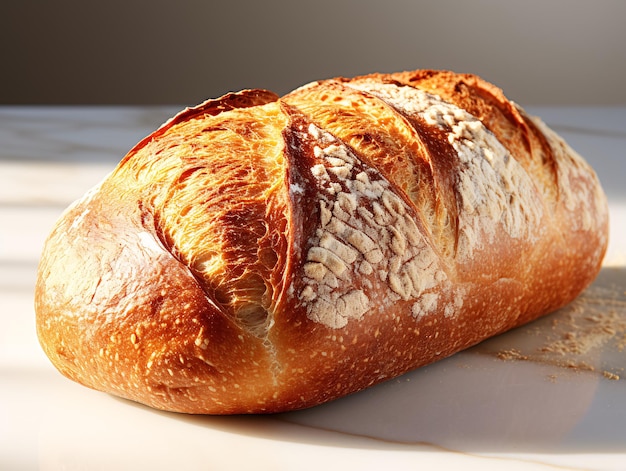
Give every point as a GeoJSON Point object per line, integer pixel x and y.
{"type": "Point", "coordinates": [609, 375]}
{"type": "Point", "coordinates": [511, 354]}
{"type": "Point", "coordinates": [580, 366]}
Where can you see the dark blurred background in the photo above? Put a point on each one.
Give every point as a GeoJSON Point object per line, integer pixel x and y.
{"type": "Point", "coordinates": [181, 52]}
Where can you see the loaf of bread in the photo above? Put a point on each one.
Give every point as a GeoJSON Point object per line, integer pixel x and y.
{"type": "Point", "coordinates": [260, 254]}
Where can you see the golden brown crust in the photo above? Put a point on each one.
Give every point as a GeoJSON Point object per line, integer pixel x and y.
{"type": "Point", "coordinates": [261, 254]}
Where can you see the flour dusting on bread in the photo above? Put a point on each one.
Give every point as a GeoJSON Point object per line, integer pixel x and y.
{"type": "Point", "coordinates": [494, 190]}
{"type": "Point", "coordinates": [367, 236]}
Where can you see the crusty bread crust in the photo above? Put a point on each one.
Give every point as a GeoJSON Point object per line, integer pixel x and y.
{"type": "Point", "coordinates": [259, 254]}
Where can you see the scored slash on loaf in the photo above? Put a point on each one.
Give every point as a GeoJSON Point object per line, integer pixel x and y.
{"type": "Point", "coordinates": [260, 254]}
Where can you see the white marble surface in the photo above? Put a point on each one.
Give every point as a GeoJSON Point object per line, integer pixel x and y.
{"type": "Point", "coordinates": [481, 409]}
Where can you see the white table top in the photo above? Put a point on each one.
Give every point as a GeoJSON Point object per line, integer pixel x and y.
{"type": "Point", "coordinates": [480, 409]}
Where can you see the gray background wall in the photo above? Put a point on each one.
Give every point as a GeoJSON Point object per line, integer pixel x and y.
{"type": "Point", "coordinates": [181, 52]}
